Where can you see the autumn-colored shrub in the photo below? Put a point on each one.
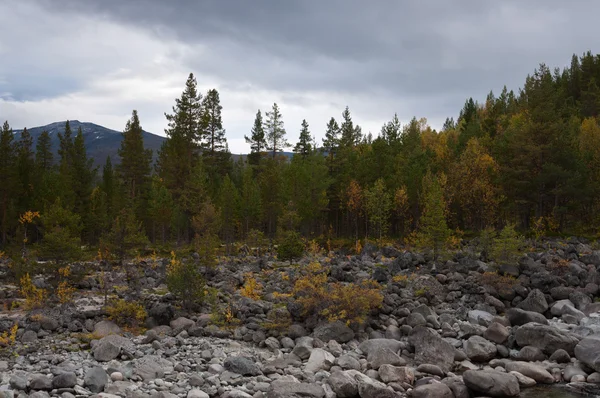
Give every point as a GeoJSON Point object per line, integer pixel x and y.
{"type": "Point", "coordinates": [497, 281]}
{"type": "Point", "coordinates": [252, 288]}
{"type": "Point", "coordinates": [350, 302]}
{"type": "Point", "coordinates": [34, 296]}
{"type": "Point", "coordinates": [185, 281]}
{"type": "Point", "coordinates": [126, 313]}
{"type": "Point", "coordinates": [9, 337]}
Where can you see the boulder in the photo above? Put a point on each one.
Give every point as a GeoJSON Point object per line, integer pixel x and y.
{"type": "Point", "coordinates": [479, 349]}
{"type": "Point", "coordinates": [435, 390]}
{"type": "Point", "coordinates": [479, 317]}
{"type": "Point", "coordinates": [64, 380]}
{"type": "Point", "coordinates": [524, 381]}
{"type": "Point", "coordinates": [518, 317]}
{"type": "Point", "coordinates": [95, 379]}
{"type": "Point", "coordinates": [384, 356]}
{"type": "Point", "coordinates": [546, 338]}
{"type": "Point", "coordinates": [162, 313]}
{"type": "Point", "coordinates": [535, 302]}
{"type": "Point", "coordinates": [530, 353]}
{"type": "Point", "coordinates": [534, 371]}
{"type": "Point", "coordinates": [319, 359]}
{"type": "Point", "coordinates": [496, 333]}
{"type": "Point", "coordinates": [109, 347]}
{"type": "Point", "coordinates": [370, 388]}
{"type": "Point", "coordinates": [106, 328]}
{"type": "Point", "coordinates": [343, 384]}
{"type": "Point", "coordinates": [588, 352]}
{"type": "Point", "coordinates": [337, 331]}
{"type": "Point", "coordinates": [303, 347]}
{"type": "Point", "coordinates": [243, 366]}
{"type": "Point", "coordinates": [492, 383]}
{"type": "Point", "coordinates": [561, 356]}
{"type": "Point", "coordinates": [431, 348]}
{"type": "Point", "coordinates": [291, 389]}
{"type": "Point", "coordinates": [40, 383]}
{"type": "Point", "coordinates": [181, 323]}
{"type": "Point", "coordinates": [151, 367]}
{"type": "Point", "coordinates": [400, 374]}
{"type": "Point", "coordinates": [376, 344]}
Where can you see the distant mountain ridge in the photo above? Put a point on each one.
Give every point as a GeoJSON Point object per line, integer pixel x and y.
{"type": "Point", "coordinates": [100, 142]}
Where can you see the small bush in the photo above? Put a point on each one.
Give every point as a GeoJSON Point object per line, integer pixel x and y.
{"type": "Point", "coordinates": [350, 303]}
{"type": "Point", "coordinates": [252, 288]}
{"type": "Point", "coordinates": [290, 247]}
{"type": "Point", "coordinates": [9, 337]}
{"type": "Point", "coordinates": [34, 296]}
{"type": "Point", "coordinates": [126, 314]}
{"type": "Point", "coordinates": [184, 280]}
{"type": "Point", "coordinates": [497, 281]}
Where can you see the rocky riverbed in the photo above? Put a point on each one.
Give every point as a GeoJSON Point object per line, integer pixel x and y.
{"type": "Point", "coordinates": [457, 328]}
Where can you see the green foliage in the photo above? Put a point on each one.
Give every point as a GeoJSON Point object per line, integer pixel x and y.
{"type": "Point", "coordinates": [433, 232]}
{"type": "Point", "coordinates": [378, 205]}
{"type": "Point", "coordinates": [257, 140]}
{"type": "Point", "coordinates": [290, 246]}
{"type": "Point", "coordinates": [275, 133]}
{"type": "Point", "coordinates": [304, 146]}
{"type": "Point", "coordinates": [126, 235]}
{"type": "Point", "coordinates": [506, 248]}
{"type": "Point", "coordinates": [126, 313]}
{"type": "Point", "coordinates": [61, 229]}
{"type": "Point", "coordinates": [185, 281]}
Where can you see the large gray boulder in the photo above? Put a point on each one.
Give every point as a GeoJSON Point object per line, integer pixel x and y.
{"type": "Point", "coordinates": [479, 349]}
{"type": "Point", "coordinates": [376, 344]}
{"type": "Point", "coordinates": [492, 383]}
{"type": "Point", "coordinates": [337, 331]}
{"type": "Point", "coordinates": [431, 348]}
{"type": "Point", "coordinates": [518, 317]}
{"type": "Point", "coordinates": [95, 379]}
{"type": "Point", "coordinates": [242, 365]}
{"type": "Point", "coordinates": [535, 302]}
{"type": "Point", "coordinates": [588, 352]}
{"type": "Point", "coordinates": [319, 359]}
{"type": "Point", "coordinates": [532, 370]}
{"type": "Point", "coordinates": [109, 347]}
{"type": "Point", "coordinates": [401, 374]}
{"type": "Point", "coordinates": [151, 367]}
{"type": "Point", "coordinates": [435, 390]}
{"type": "Point", "coordinates": [496, 333]}
{"type": "Point", "coordinates": [64, 380]}
{"type": "Point", "coordinates": [547, 338]}
{"type": "Point", "coordinates": [370, 388]}
{"type": "Point", "coordinates": [290, 389]}
{"type": "Point", "coordinates": [106, 328]}
{"type": "Point", "coordinates": [384, 356]}
{"type": "Point", "coordinates": [343, 384]}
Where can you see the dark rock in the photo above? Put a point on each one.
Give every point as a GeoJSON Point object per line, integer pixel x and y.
{"type": "Point", "coordinates": [588, 352]}
{"type": "Point", "coordinates": [343, 384]}
{"type": "Point", "coordinates": [64, 380]}
{"type": "Point", "coordinates": [518, 317]}
{"type": "Point", "coordinates": [290, 389]}
{"type": "Point", "coordinates": [531, 354]}
{"type": "Point", "coordinates": [492, 383]}
{"type": "Point", "coordinates": [40, 383]}
{"type": "Point", "coordinates": [535, 302]}
{"type": "Point", "coordinates": [162, 313]}
{"type": "Point", "coordinates": [561, 356]}
{"type": "Point", "coordinates": [431, 348]}
{"type": "Point", "coordinates": [546, 338]}
{"type": "Point", "coordinates": [435, 390]}
{"type": "Point", "coordinates": [479, 349]}
{"type": "Point", "coordinates": [337, 331]}
{"type": "Point", "coordinates": [242, 365]}
{"type": "Point", "coordinates": [95, 379]}
{"type": "Point", "coordinates": [496, 333]}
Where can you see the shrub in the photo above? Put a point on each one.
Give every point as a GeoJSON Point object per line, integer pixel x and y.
{"type": "Point", "coordinates": [290, 247]}
{"type": "Point", "coordinates": [184, 280]}
{"type": "Point", "coordinates": [350, 303]}
{"type": "Point", "coordinates": [126, 313]}
{"type": "Point", "coordinates": [34, 296]}
{"type": "Point", "coordinates": [497, 281]}
{"type": "Point", "coordinates": [252, 288]}
{"type": "Point", "coordinates": [506, 247]}
{"type": "Point", "coordinates": [9, 337]}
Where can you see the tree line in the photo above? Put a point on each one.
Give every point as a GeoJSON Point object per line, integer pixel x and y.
{"type": "Point", "coordinates": [529, 158]}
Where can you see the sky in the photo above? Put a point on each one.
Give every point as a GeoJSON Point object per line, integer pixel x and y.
{"type": "Point", "coordinates": [97, 60]}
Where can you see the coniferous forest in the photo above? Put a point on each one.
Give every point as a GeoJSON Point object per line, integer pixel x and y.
{"type": "Point", "coordinates": [528, 158]}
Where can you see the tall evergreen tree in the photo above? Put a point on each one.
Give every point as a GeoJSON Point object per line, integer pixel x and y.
{"type": "Point", "coordinates": [179, 152]}
{"type": "Point", "coordinates": [26, 171]}
{"type": "Point", "coordinates": [276, 141]}
{"type": "Point", "coordinates": [350, 134]}
{"type": "Point", "coordinates": [331, 140]}
{"type": "Point", "coordinates": [83, 176]}
{"type": "Point", "coordinates": [109, 186]}
{"type": "Point", "coordinates": [8, 187]}
{"type": "Point", "coordinates": [65, 150]}
{"type": "Point", "coordinates": [211, 123]}
{"type": "Point", "coordinates": [134, 169]}
{"type": "Point", "coordinates": [44, 158]}
{"type": "Point", "coordinates": [304, 146]}
{"type": "Point", "coordinates": [257, 140]}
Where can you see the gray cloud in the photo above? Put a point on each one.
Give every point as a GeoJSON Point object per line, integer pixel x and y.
{"type": "Point", "coordinates": [418, 58]}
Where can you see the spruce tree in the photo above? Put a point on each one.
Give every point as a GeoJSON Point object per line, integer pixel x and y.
{"type": "Point", "coordinates": [257, 140]}
{"type": "Point", "coordinates": [250, 201]}
{"type": "Point", "coordinates": [433, 230]}
{"type": "Point", "coordinates": [304, 146]}
{"type": "Point", "coordinates": [26, 171]}
{"type": "Point", "coordinates": [83, 175]}
{"type": "Point", "coordinates": [65, 150]}
{"type": "Point", "coordinates": [109, 186]}
{"type": "Point", "coordinates": [160, 206]}
{"type": "Point", "coordinates": [276, 141]}
{"type": "Point", "coordinates": [44, 159]}
{"type": "Point", "coordinates": [8, 187]}
{"type": "Point", "coordinates": [331, 140]}
{"type": "Point", "coordinates": [350, 134]}
{"type": "Point", "coordinates": [229, 206]}
{"type": "Point", "coordinates": [211, 123]}
{"type": "Point", "coordinates": [134, 169]}
{"type": "Point", "coordinates": [179, 153]}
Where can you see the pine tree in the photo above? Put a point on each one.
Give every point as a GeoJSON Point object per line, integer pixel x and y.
{"type": "Point", "coordinates": [331, 140]}
{"type": "Point", "coordinates": [276, 141]}
{"type": "Point", "coordinates": [433, 230]}
{"type": "Point", "coordinates": [83, 175]}
{"type": "Point", "coordinates": [61, 230]}
{"type": "Point", "coordinates": [44, 158]}
{"type": "Point", "coordinates": [211, 124]}
{"type": "Point", "coordinates": [26, 171]}
{"type": "Point", "coordinates": [257, 140]}
{"type": "Point", "coordinates": [160, 208]}
{"type": "Point", "coordinates": [350, 134]}
{"type": "Point", "coordinates": [378, 203]}
{"type": "Point", "coordinates": [109, 186]}
{"type": "Point", "coordinates": [134, 169]}
{"type": "Point", "coordinates": [250, 201]}
{"type": "Point", "coordinates": [126, 235]}
{"type": "Point", "coordinates": [8, 187]}
{"type": "Point", "coordinates": [179, 153]}
{"type": "Point", "coordinates": [304, 146]}
{"type": "Point", "coordinates": [391, 131]}
{"type": "Point", "coordinates": [229, 206]}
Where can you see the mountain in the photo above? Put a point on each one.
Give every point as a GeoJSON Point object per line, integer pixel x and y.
{"type": "Point", "coordinates": [100, 142]}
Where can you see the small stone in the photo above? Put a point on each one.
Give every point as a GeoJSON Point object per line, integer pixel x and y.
{"type": "Point", "coordinates": [195, 393]}
{"type": "Point", "coordinates": [116, 376]}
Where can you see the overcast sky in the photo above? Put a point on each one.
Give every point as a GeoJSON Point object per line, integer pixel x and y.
{"type": "Point", "coordinates": [96, 60]}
